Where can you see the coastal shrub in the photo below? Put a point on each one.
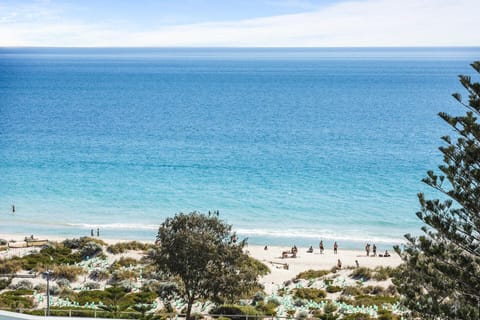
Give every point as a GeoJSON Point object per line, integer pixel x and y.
{"type": "Point", "coordinates": [67, 294]}
{"type": "Point", "coordinates": [312, 274]}
{"type": "Point", "coordinates": [352, 291]}
{"type": "Point", "coordinates": [99, 275]}
{"type": "Point", "coordinates": [259, 296]}
{"type": "Point", "coordinates": [127, 285]}
{"type": "Point", "coordinates": [333, 289]}
{"type": "Point", "coordinates": [5, 282]}
{"type": "Point", "coordinates": [357, 316]}
{"type": "Point", "coordinates": [384, 314]}
{"type": "Point", "coordinates": [121, 247]}
{"type": "Point", "coordinates": [120, 275]}
{"type": "Point", "coordinates": [63, 283]}
{"type": "Point", "coordinates": [300, 302]}
{"type": "Point", "coordinates": [54, 290]}
{"type": "Point", "coordinates": [361, 273]}
{"type": "Point", "coordinates": [10, 266]}
{"type": "Point", "coordinates": [92, 285]}
{"type": "Point", "coordinates": [72, 243]}
{"type": "Point", "coordinates": [90, 250]}
{"type": "Point", "coordinates": [67, 272]}
{"type": "Point", "coordinates": [253, 264]}
{"type": "Point", "coordinates": [391, 290]}
{"type": "Point", "coordinates": [235, 312]}
{"type": "Point", "coordinates": [313, 294]}
{"type": "Point", "coordinates": [273, 301]}
{"type": "Point", "coordinates": [329, 312]}
{"type": "Point", "coordinates": [302, 315]}
{"type": "Point", "coordinates": [22, 285]}
{"type": "Point", "coordinates": [383, 273]}
{"type": "Point", "coordinates": [16, 299]}
{"type": "Point", "coordinates": [368, 300]}
{"type": "Point", "coordinates": [373, 290]}
{"type": "Point", "coordinates": [40, 287]}
{"type": "Point", "coordinates": [3, 242]}
{"type": "Point", "coordinates": [90, 296]}
{"type": "Point", "coordinates": [123, 262]}
{"type": "Point", "coordinates": [49, 256]}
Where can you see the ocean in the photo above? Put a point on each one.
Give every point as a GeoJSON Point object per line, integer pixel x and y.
{"type": "Point", "coordinates": [290, 145]}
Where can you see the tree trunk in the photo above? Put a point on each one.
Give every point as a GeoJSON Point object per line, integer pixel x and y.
{"type": "Point", "coordinates": [189, 309]}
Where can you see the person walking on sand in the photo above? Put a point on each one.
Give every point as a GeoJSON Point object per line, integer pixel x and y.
{"type": "Point", "coordinates": [321, 246]}
{"type": "Point", "coordinates": [367, 249]}
{"type": "Point", "coordinates": [374, 250]}
{"type": "Point", "coordinates": [335, 247]}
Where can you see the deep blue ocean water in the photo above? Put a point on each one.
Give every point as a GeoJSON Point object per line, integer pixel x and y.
{"type": "Point", "coordinates": [291, 145]}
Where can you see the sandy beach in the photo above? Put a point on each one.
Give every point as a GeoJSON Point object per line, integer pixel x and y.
{"type": "Point", "coordinates": [282, 269]}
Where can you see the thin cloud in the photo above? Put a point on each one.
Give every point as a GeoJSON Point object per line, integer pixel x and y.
{"type": "Point", "coordinates": [365, 23]}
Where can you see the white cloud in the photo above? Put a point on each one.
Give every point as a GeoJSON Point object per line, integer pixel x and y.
{"type": "Point", "coordinates": [365, 23]}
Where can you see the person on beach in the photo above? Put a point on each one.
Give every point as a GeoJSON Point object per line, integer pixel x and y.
{"type": "Point", "coordinates": [98, 232]}
{"type": "Point", "coordinates": [386, 254]}
{"type": "Point", "coordinates": [335, 247]}
{"type": "Point", "coordinates": [91, 232]}
{"type": "Point", "coordinates": [339, 264]}
{"type": "Point", "coordinates": [321, 247]}
{"type": "Point", "coordinates": [13, 208]}
{"type": "Point", "coordinates": [367, 249]}
{"type": "Point", "coordinates": [357, 264]}
{"type": "Point", "coordinates": [265, 248]}
{"type": "Point", "coordinates": [374, 250]}
{"type": "Point", "coordinates": [310, 250]}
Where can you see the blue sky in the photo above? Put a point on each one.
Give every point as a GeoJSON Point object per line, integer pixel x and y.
{"type": "Point", "coordinates": [273, 23]}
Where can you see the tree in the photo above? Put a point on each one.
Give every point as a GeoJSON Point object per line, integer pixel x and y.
{"type": "Point", "coordinates": [440, 276]}
{"type": "Point", "coordinates": [197, 249]}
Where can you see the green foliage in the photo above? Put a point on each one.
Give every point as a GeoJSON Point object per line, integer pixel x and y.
{"type": "Point", "coordinates": [440, 277]}
{"type": "Point", "coordinates": [48, 256]}
{"type": "Point", "coordinates": [256, 266]}
{"type": "Point", "coordinates": [368, 300]}
{"type": "Point", "coordinates": [22, 285]}
{"type": "Point", "coordinates": [69, 273]}
{"type": "Point", "coordinates": [121, 247]}
{"type": "Point", "coordinates": [361, 273]}
{"type": "Point", "coordinates": [383, 273]}
{"type": "Point", "coordinates": [384, 314]}
{"type": "Point", "coordinates": [123, 262]}
{"type": "Point", "coordinates": [313, 294]}
{"type": "Point", "coordinates": [5, 282]}
{"type": "Point", "coordinates": [91, 249]}
{"type": "Point", "coordinates": [352, 291]}
{"type": "Point", "coordinates": [333, 289]}
{"type": "Point", "coordinates": [312, 274]}
{"type": "Point", "coordinates": [16, 299]}
{"type": "Point", "coordinates": [196, 248]}
{"type": "Point", "coordinates": [10, 266]}
{"type": "Point", "coordinates": [269, 308]}
{"type": "Point", "coordinates": [235, 312]}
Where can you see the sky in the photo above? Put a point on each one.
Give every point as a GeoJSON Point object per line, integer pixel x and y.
{"type": "Point", "coordinates": [239, 23]}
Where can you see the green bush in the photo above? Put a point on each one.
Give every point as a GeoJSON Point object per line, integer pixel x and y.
{"type": "Point", "coordinates": [254, 264]}
{"type": "Point", "coordinates": [368, 300]}
{"type": "Point", "coordinates": [121, 247]}
{"type": "Point", "coordinates": [10, 266]}
{"type": "Point", "coordinates": [312, 274]}
{"type": "Point", "coordinates": [383, 273]}
{"type": "Point", "coordinates": [352, 291]}
{"type": "Point", "coordinates": [123, 262]}
{"type": "Point", "coordinates": [49, 256]}
{"type": "Point", "coordinates": [373, 290]}
{"type": "Point", "coordinates": [5, 282]}
{"type": "Point", "coordinates": [313, 294]}
{"type": "Point", "coordinates": [90, 250]}
{"type": "Point", "coordinates": [16, 299]}
{"type": "Point", "coordinates": [99, 275]}
{"type": "Point", "coordinates": [235, 312]}
{"type": "Point", "coordinates": [22, 285]}
{"type": "Point", "coordinates": [333, 289]}
{"type": "Point", "coordinates": [268, 309]}
{"type": "Point", "coordinates": [361, 273]}
{"type": "Point", "coordinates": [387, 315]}
{"type": "Point", "coordinates": [69, 273]}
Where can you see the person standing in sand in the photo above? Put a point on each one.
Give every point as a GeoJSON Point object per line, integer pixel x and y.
{"type": "Point", "coordinates": [335, 247]}
{"type": "Point", "coordinates": [321, 246]}
{"type": "Point", "coordinates": [13, 208]}
{"type": "Point", "coordinates": [367, 249]}
{"type": "Point", "coordinates": [374, 250]}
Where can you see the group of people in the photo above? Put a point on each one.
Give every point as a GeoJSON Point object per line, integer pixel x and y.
{"type": "Point", "coordinates": [92, 233]}
{"type": "Point", "coordinates": [374, 251]}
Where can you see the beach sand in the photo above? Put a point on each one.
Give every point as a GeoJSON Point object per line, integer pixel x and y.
{"type": "Point", "coordinates": [272, 258]}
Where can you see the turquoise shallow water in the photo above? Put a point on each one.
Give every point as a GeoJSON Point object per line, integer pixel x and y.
{"type": "Point", "coordinates": [291, 145]}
